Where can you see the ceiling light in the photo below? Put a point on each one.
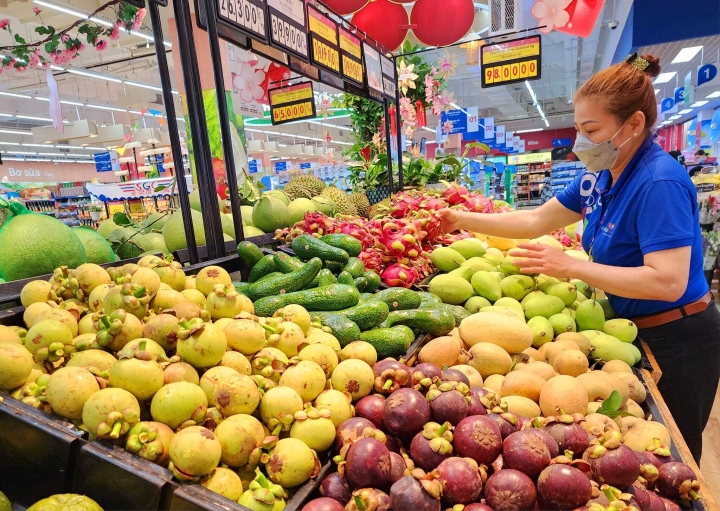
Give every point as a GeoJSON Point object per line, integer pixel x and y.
{"type": "Point", "coordinates": [428, 129]}
{"type": "Point", "coordinates": [14, 159]}
{"type": "Point", "coordinates": [40, 98]}
{"type": "Point", "coordinates": [60, 8]}
{"type": "Point", "coordinates": [71, 103]}
{"type": "Point", "coordinates": [18, 152]}
{"type": "Point", "coordinates": [686, 111]}
{"type": "Point", "coordinates": [33, 118]}
{"type": "Point", "coordinates": [95, 148]}
{"type": "Point", "coordinates": [13, 95]}
{"type": "Point", "coordinates": [530, 131]}
{"type": "Point", "coordinates": [6, 115]}
{"type": "Point", "coordinates": [698, 104]}
{"type": "Point", "coordinates": [16, 132]}
{"type": "Point", "coordinates": [94, 75]}
{"type": "Point", "coordinates": [144, 85]}
{"type": "Point", "coordinates": [40, 159]}
{"type": "Point", "coordinates": [665, 77]}
{"type": "Point", "coordinates": [674, 117]}
{"type": "Point", "coordinates": [9, 143]}
{"type": "Point", "coordinates": [46, 146]}
{"type": "Point", "coordinates": [686, 54]}
{"type": "Point", "coordinates": [52, 154]}
{"type": "Point", "coordinates": [101, 21]}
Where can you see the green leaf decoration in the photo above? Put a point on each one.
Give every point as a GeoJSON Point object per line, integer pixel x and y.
{"type": "Point", "coordinates": [121, 219]}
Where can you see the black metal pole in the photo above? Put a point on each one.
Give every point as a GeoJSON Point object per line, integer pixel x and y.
{"type": "Point", "coordinates": [172, 124]}
{"type": "Point", "coordinates": [399, 134]}
{"type": "Point", "coordinates": [388, 138]}
{"type": "Point", "coordinates": [198, 131]}
{"type": "Point", "coordinates": [225, 133]}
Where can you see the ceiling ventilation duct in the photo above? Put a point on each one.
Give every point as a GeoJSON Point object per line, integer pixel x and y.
{"type": "Point", "coordinates": [505, 16]}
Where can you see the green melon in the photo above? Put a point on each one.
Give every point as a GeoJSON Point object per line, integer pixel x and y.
{"type": "Point", "coordinates": [174, 231]}
{"type": "Point", "coordinates": [106, 227]}
{"type": "Point", "coordinates": [155, 222]}
{"type": "Point", "coordinates": [270, 213]}
{"type": "Point", "coordinates": [97, 249]}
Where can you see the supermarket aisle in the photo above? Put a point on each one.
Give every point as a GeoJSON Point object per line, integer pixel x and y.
{"type": "Point", "coordinates": [710, 463]}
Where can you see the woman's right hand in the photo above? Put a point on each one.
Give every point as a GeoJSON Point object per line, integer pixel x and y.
{"type": "Point", "coordinates": [449, 220]}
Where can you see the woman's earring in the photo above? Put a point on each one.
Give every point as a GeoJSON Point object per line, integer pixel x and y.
{"type": "Point", "coordinates": [635, 134]}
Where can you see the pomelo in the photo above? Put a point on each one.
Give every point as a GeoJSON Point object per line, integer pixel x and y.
{"type": "Point", "coordinates": [158, 242]}
{"type": "Point", "coordinates": [155, 222]}
{"type": "Point", "coordinates": [270, 213]}
{"type": "Point", "coordinates": [246, 213]}
{"type": "Point", "coordinates": [32, 244]}
{"type": "Point", "coordinates": [106, 227]}
{"type": "Point", "coordinates": [227, 225]}
{"type": "Point", "coordinates": [174, 231]}
{"type": "Point", "coordinates": [195, 200]}
{"type": "Point", "coordinates": [134, 245]}
{"type": "Point", "coordinates": [97, 249]}
{"type": "Point", "coordinates": [251, 231]}
{"type": "Point", "coordinates": [299, 207]}
{"type": "Point", "coordinates": [324, 205]}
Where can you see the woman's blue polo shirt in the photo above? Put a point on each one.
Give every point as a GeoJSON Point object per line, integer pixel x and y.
{"type": "Point", "coordinates": [652, 207]}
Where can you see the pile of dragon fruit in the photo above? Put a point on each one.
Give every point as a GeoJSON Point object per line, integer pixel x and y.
{"type": "Point", "coordinates": [397, 242]}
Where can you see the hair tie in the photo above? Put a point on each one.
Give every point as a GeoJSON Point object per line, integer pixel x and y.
{"type": "Point", "coordinates": [638, 62]}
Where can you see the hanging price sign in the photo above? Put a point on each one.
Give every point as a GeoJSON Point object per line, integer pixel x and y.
{"type": "Point", "coordinates": [325, 50]}
{"type": "Point", "coordinates": [389, 77]}
{"type": "Point", "coordinates": [351, 58]}
{"type": "Point", "coordinates": [292, 103]}
{"type": "Point", "coordinates": [247, 15]}
{"type": "Point", "coordinates": [287, 26]}
{"type": "Point", "coordinates": [374, 72]}
{"type": "Point", "coordinates": [511, 61]}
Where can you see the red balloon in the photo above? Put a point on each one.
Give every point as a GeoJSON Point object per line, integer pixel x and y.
{"type": "Point", "coordinates": [382, 20]}
{"type": "Point", "coordinates": [402, 1]}
{"type": "Point", "coordinates": [442, 22]}
{"type": "Point", "coordinates": [345, 7]}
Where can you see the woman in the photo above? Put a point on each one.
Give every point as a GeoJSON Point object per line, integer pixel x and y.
{"type": "Point", "coordinates": [642, 233]}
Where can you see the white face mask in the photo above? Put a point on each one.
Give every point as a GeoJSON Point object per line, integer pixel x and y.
{"type": "Point", "coordinates": [597, 157]}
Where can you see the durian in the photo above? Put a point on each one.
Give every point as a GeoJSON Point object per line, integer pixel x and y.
{"type": "Point", "coordinates": [343, 206]}
{"type": "Point", "coordinates": [305, 187]}
{"type": "Point", "coordinates": [361, 203]}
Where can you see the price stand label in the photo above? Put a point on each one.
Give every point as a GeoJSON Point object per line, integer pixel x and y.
{"type": "Point", "coordinates": [247, 15]}
{"type": "Point", "coordinates": [292, 103]}
{"type": "Point", "coordinates": [511, 61]}
{"type": "Point", "coordinates": [389, 77]}
{"type": "Point", "coordinates": [287, 26]}
{"type": "Point", "coordinates": [374, 72]}
{"type": "Point", "coordinates": [325, 50]}
{"type": "Point", "coordinates": [351, 58]}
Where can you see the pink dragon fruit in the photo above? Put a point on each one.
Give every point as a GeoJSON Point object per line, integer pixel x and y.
{"type": "Point", "coordinates": [479, 204]}
{"type": "Point", "coordinates": [433, 204]}
{"type": "Point", "coordinates": [456, 194]}
{"type": "Point", "coordinates": [400, 275]}
{"type": "Point", "coordinates": [399, 239]}
{"type": "Point", "coordinates": [403, 205]}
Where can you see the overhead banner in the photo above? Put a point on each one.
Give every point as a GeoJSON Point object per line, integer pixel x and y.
{"type": "Point", "coordinates": [107, 161]}
{"type": "Point", "coordinates": [373, 72]}
{"type": "Point", "coordinates": [247, 15]}
{"type": "Point", "coordinates": [135, 189]}
{"type": "Point", "coordinates": [457, 119]}
{"type": "Point", "coordinates": [351, 58]}
{"type": "Point", "coordinates": [511, 62]}
{"type": "Point", "coordinates": [287, 26]}
{"type": "Point", "coordinates": [473, 122]}
{"type": "Point", "coordinates": [325, 50]}
{"type": "Point", "coordinates": [292, 103]}
{"type": "Point", "coordinates": [500, 136]}
{"type": "Point", "coordinates": [389, 77]}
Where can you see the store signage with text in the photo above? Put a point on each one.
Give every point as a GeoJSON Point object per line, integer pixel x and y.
{"type": "Point", "coordinates": [352, 61]}
{"type": "Point", "coordinates": [389, 78]}
{"type": "Point", "coordinates": [524, 159]}
{"type": "Point", "coordinates": [247, 15]}
{"type": "Point", "coordinates": [292, 103]}
{"type": "Point", "coordinates": [707, 75]}
{"type": "Point", "coordinates": [511, 61]}
{"type": "Point", "coordinates": [323, 41]}
{"type": "Point", "coordinates": [287, 26]}
{"type": "Point", "coordinates": [373, 68]}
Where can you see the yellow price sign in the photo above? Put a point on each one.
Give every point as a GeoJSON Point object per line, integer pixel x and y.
{"type": "Point", "coordinates": [511, 61]}
{"type": "Point", "coordinates": [116, 207]}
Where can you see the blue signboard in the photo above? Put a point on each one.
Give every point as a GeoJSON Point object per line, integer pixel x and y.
{"type": "Point", "coordinates": [477, 136]}
{"type": "Point", "coordinates": [679, 94]}
{"type": "Point", "coordinates": [562, 142]}
{"type": "Point", "coordinates": [306, 165]}
{"type": "Point", "coordinates": [280, 166]}
{"type": "Point", "coordinates": [706, 73]}
{"type": "Point", "coordinates": [104, 162]}
{"type": "Point", "coordinates": [252, 167]}
{"type": "Point", "coordinates": [667, 104]}
{"type": "Point", "coordinates": [458, 118]}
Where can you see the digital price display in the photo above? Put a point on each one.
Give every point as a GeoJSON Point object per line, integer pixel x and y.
{"type": "Point", "coordinates": [511, 61]}
{"type": "Point", "coordinates": [287, 26]}
{"type": "Point", "coordinates": [292, 103]}
{"type": "Point", "coordinates": [247, 15]}
{"type": "Point", "coordinates": [325, 50]}
{"type": "Point", "coordinates": [351, 57]}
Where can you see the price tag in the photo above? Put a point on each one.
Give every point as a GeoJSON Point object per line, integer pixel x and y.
{"type": "Point", "coordinates": [352, 61]}
{"type": "Point", "coordinates": [374, 72]}
{"type": "Point", "coordinates": [287, 26]}
{"type": "Point", "coordinates": [511, 61]}
{"type": "Point", "coordinates": [247, 15]}
{"type": "Point", "coordinates": [325, 51]}
{"type": "Point", "coordinates": [388, 77]}
{"type": "Point", "coordinates": [292, 103]}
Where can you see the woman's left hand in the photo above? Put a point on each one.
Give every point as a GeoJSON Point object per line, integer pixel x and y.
{"type": "Point", "coordinates": [534, 258]}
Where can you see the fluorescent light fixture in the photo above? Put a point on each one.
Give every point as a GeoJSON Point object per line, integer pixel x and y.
{"type": "Point", "coordinates": [686, 54]}
{"type": "Point", "coordinates": [674, 117]}
{"type": "Point", "coordinates": [665, 77]}
{"type": "Point", "coordinates": [110, 108]}
{"type": "Point", "coordinates": [530, 131]}
{"type": "Point", "coordinates": [19, 152]}
{"type": "Point", "coordinates": [40, 98]}
{"type": "Point", "coordinates": [95, 148]}
{"type": "Point", "coordinates": [40, 159]}
{"type": "Point", "coordinates": [547, 124]}
{"type": "Point", "coordinates": [9, 143]}
{"type": "Point", "coordinates": [531, 91]}
{"type": "Point", "coordinates": [51, 154]}
{"type": "Point", "coordinates": [144, 85]}
{"type": "Point", "coordinates": [428, 129]}
{"type": "Point", "coordinates": [6, 115]}
{"type": "Point", "coordinates": [33, 118]}
{"type": "Point", "coordinates": [698, 104]}
{"type": "Point", "coordinates": [61, 8]}
{"type": "Point", "coordinates": [16, 132]}
{"type": "Point", "coordinates": [686, 111]}
{"type": "Point", "coordinates": [46, 146]}
{"type": "Point", "coordinates": [13, 159]}
{"type": "Point", "coordinates": [97, 76]}
{"type": "Point", "coordinates": [71, 103]}
{"type": "Point", "coordinates": [13, 95]}
{"type": "Point", "coordinates": [657, 90]}
{"type": "Point", "coordinates": [712, 95]}
{"type": "Point", "coordinates": [101, 21]}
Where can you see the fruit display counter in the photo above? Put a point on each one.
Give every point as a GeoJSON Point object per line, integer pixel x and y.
{"type": "Point", "coordinates": [159, 386]}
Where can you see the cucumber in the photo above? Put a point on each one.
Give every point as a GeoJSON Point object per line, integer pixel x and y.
{"type": "Point", "coordinates": [343, 328]}
{"type": "Point", "coordinates": [286, 263]}
{"type": "Point", "coordinates": [327, 298]}
{"type": "Point", "coordinates": [326, 278]}
{"type": "Point", "coordinates": [398, 298]}
{"type": "Point", "coordinates": [367, 315]}
{"type": "Point", "coordinates": [334, 266]}
{"type": "Point", "coordinates": [355, 267]}
{"type": "Point", "coordinates": [306, 247]}
{"type": "Point", "coordinates": [373, 281]}
{"type": "Point", "coordinates": [435, 322]}
{"type": "Point", "coordinates": [262, 267]}
{"type": "Point", "coordinates": [345, 242]}
{"type": "Point", "coordinates": [389, 342]}
{"type": "Point", "coordinates": [240, 287]}
{"type": "Point", "coordinates": [458, 312]}
{"type": "Point", "coordinates": [285, 283]}
{"type": "Point", "coordinates": [249, 253]}
{"type": "Point", "coordinates": [364, 297]}
{"type": "Point", "coordinates": [428, 298]}
{"type": "Point", "coordinates": [346, 278]}
{"type": "Point", "coordinates": [361, 283]}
